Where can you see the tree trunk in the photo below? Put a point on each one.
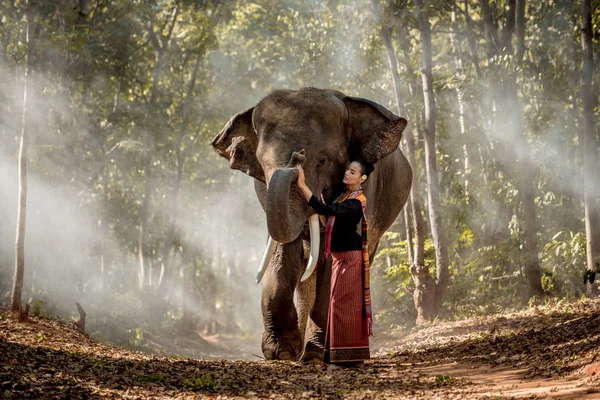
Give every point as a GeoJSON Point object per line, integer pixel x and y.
{"type": "Point", "coordinates": [471, 40]}
{"type": "Point", "coordinates": [179, 161]}
{"type": "Point", "coordinates": [491, 33]}
{"type": "Point", "coordinates": [104, 224]}
{"type": "Point", "coordinates": [526, 168]}
{"type": "Point", "coordinates": [17, 289]}
{"type": "Point", "coordinates": [143, 238]}
{"type": "Point", "coordinates": [424, 286]}
{"type": "Point", "coordinates": [459, 76]}
{"type": "Point", "coordinates": [509, 27]}
{"type": "Point", "coordinates": [144, 251]}
{"type": "Point", "coordinates": [510, 106]}
{"type": "Point", "coordinates": [424, 291]}
{"type": "Point", "coordinates": [438, 233]}
{"type": "Point", "coordinates": [590, 144]}
{"type": "Point", "coordinates": [105, 178]}
{"type": "Point", "coordinates": [385, 33]}
{"type": "Point", "coordinates": [520, 29]}
{"type": "Point", "coordinates": [409, 235]}
{"type": "Point", "coordinates": [411, 151]}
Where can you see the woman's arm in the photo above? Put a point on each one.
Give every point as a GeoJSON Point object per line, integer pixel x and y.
{"type": "Point", "coordinates": [302, 184]}
{"type": "Point", "coordinates": [345, 207]}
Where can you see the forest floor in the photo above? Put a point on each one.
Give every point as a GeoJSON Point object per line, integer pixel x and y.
{"type": "Point", "coordinates": [544, 352]}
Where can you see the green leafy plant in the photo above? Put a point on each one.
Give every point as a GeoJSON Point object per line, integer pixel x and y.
{"type": "Point", "coordinates": [37, 307]}
{"type": "Point", "coordinates": [444, 379]}
{"type": "Point", "coordinates": [40, 336]}
{"type": "Point", "coordinates": [590, 274]}
{"type": "Point", "coordinates": [563, 263]}
{"type": "Point", "coordinates": [149, 378]}
{"type": "Point", "coordinates": [204, 382]}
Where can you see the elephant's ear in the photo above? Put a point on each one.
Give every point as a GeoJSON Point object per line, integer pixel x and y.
{"type": "Point", "coordinates": [237, 142]}
{"type": "Point", "coordinates": [374, 130]}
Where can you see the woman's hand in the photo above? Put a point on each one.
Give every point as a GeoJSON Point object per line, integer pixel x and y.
{"type": "Point", "coordinates": [302, 184]}
{"type": "Point", "coordinates": [301, 181]}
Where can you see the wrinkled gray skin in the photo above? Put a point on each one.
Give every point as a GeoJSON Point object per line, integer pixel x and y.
{"type": "Point", "coordinates": [333, 129]}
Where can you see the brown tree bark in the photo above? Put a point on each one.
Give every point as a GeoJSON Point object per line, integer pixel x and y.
{"type": "Point", "coordinates": [17, 289]}
{"type": "Point", "coordinates": [385, 33]}
{"type": "Point", "coordinates": [590, 144]}
{"type": "Point", "coordinates": [411, 151]}
{"type": "Point", "coordinates": [423, 293]}
{"type": "Point", "coordinates": [520, 29]}
{"type": "Point", "coordinates": [459, 78]}
{"type": "Point", "coordinates": [438, 233]}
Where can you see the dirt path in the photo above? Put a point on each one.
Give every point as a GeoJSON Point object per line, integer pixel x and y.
{"type": "Point", "coordinates": [486, 381]}
{"type": "Point", "coordinates": [539, 354]}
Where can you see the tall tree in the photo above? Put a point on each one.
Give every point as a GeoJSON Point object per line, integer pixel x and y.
{"type": "Point", "coordinates": [424, 291]}
{"type": "Point", "coordinates": [526, 168]}
{"type": "Point", "coordinates": [518, 151]}
{"type": "Point", "coordinates": [590, 144]}
{"type": "Point", "coordinates": [161, 43]}
{"type": "Point", "coordinates": [438, 233]}
{"type": "Point", "coordinates": [459, 78]}
{"type": "Point", "coordinates": [17, 289]}
{"type": "Point", "coordinates": [385, 32]}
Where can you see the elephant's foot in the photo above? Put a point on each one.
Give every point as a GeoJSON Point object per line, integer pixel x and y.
{"type": "Point", "coordinates": [312, 353]}
{"type": "Point", "coordinates": [285, 346]}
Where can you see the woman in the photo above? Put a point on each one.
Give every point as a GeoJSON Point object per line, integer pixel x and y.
{"type": "Point", "coordinates": [349, 318]}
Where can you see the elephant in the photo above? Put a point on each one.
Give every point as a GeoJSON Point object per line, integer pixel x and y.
{"type": "Point", "coordinates": [332, 129]}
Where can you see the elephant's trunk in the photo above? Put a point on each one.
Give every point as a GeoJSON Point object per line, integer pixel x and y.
{"type": "Point", "coordinates": [285, 216]}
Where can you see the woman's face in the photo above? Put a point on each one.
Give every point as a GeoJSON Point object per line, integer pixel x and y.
{"type": "Point", "coordinates": [353, 174]}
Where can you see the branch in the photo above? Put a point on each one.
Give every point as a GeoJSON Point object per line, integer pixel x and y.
{"type": "Point", "coordinates": [173, 21]}
{"type": "Point", "coordinates": [152, 37]}
{"type": "Point", "coordinates": [93, 12]}
{"type": "Point", "coordinates": [13, 55]}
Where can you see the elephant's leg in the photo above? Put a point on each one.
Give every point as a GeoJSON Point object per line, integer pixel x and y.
{"type": "Point", "coordinates": [305, 294]}
{"type": "Point", "coordinates": [315, 335]}
{"type": "Point", "coordinates": [282, 339]}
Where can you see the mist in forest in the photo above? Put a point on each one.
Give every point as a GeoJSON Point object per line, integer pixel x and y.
{"type": "Point", "coordinates": [87, 128]}
{"type": "Point", "coordinates": [65, 234]}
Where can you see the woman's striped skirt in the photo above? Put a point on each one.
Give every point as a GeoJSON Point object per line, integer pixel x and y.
{"type": "Point", "coordinates": [347, 335]}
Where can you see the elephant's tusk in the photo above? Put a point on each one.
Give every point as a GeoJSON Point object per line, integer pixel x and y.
{"type": "Point", "coordinates": [266, 258]}
{"type": "Point", "coordinates": [315, 240]}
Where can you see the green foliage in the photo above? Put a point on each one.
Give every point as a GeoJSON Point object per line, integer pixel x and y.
{"type": "Point", "coordinates": [392, 272]}
{"type": "Point", "coordinates": [37, 307]}
{"type": "Point", "coordinates": [131, 79]}
{"type": "Point", "coordinates": [40, 336]}
{"type": "Point", "coordinates": [208, 383]}
{"type": "Point", "coordinates": [204, 382]}
{"type": "Point", "coordinates": [590, 275]}
{"type": "Point", "coordinates": [155, 378]}
{"type": "Point", "coordinates": [564, 263]}
{"type": "Point", "coordinates": [444, 379]}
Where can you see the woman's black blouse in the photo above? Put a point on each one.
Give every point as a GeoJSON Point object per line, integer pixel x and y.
{"type": "Point", "coordinates": [346, 233]}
